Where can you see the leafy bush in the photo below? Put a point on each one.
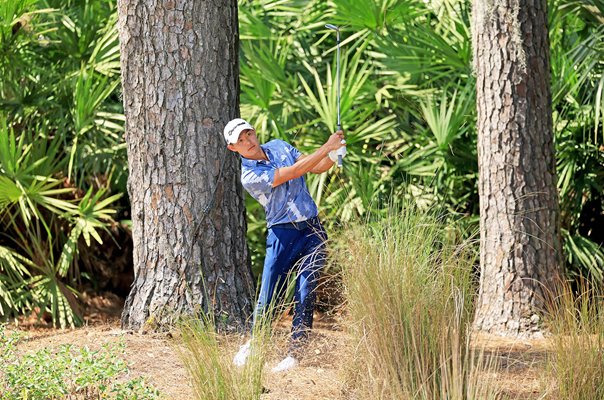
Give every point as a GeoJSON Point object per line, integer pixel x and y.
{"type": "Point", "coordinates": [67, 373]}
{"type": "Point", "coordinates": [62, 152]}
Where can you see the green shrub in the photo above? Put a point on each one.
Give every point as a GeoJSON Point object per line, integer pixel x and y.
{"type": "Point", "coordinates": [62, 153]}
{"type": "Point", "coordinates": [67, 373]}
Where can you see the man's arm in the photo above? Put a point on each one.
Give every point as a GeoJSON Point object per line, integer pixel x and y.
{"type": "Point", "coordinates": [308, 163]}
{"type": "Point", "coordinates": [321, 167]}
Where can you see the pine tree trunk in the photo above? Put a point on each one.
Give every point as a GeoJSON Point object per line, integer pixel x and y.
{"type": "Point", "coordinates": [180, 86]}
{"type": "Point", "coordinates": [519, 213]}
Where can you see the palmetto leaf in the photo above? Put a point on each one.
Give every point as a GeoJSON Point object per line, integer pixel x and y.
{"type": "Point", "coordinates": [372, 129]}
{"type": "Point", "coordinates": [593, 9]}
{"type": "Point", "coordinates": [276, 10]}
{"type": "Point", "coordinates": [13, 275]}
{"type": "Point", "coordinates": [324, 99]}
{"type": "Point", "coordinates": [45, 289]}
{"type": "Point", "coordinates": [447, 120]}
{"type": "Point", "coordinates": [577, 65]}
{"type": "Point", "coordinates": [263, 73]}
{"type": "Point", "coordinates": [428, 50]}
{"type": "Point", "coordinates": [105, 57]}
{"type": "Point", "coordinates": [27, 154]}
{"type": "Point", "coordinates": [92, 214]}
{"type": "Point", "coordinates": [25, 181]}
{"type": "Point", "coordinates": [90, 94]}
{"type": "Point", "coordinates": [81, 26]}
{"type": "Point", "coordinates": [112, 125]}
{"type": "Point", "coordinates": [57, 298]}
{"type": "Point", "coordinates": [30, 198]}
{"type": "Point", "coordinates": [584, 255]}
{"type": "Point", "coordinates": [424, 161]}
{"type": "Point", "coordinates": [9, 192]}
{"type": "Point", "coordinates": [11, 153]}
{"type": "Point", "coordinates": [70, 249]}
{"type": "Point", "coordinates": [374, 15]}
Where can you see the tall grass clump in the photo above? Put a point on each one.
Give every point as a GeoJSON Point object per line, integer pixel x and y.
{"type": "Point", "coordinates": [576, 321]}
{"type": "Point", "coordinates": [409, 288]}
{"type": "Point", "coordinates": [210, 366]}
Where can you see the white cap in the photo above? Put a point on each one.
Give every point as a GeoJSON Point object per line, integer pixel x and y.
{"type": "Point", "coordinates": [234, 128]}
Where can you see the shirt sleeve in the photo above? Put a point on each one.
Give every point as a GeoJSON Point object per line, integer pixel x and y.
{"type": "Point", "coordinates": [292, 150]}
{"type": "Point", "coordinates": [259, 182]}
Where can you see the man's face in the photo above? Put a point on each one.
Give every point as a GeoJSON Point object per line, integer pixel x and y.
{"type": "Point", "coordinates": [247, 145]}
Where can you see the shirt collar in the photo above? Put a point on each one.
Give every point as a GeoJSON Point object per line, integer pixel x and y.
{"type": "Point", "coordinates": [252, 163]}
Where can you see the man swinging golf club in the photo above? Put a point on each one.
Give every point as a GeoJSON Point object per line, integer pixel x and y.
{"type": "Point", "coordinates": [273, 174]}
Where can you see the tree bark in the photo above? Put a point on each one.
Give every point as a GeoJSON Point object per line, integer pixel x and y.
{"type": "Point", "coordinates": [519, 211]}
{"type": "Point", "coordinates": [180, 77]}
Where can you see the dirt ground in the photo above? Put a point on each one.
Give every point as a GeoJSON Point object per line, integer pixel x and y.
{"type": "Point", "coordinates": [319, 376]}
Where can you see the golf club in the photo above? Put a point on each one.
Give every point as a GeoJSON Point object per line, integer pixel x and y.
{"type": "Point", "coordinates": [340, 151]}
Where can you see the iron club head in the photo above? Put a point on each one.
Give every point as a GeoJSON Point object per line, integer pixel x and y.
{"type": "Point", "coordinates": [332, 27]}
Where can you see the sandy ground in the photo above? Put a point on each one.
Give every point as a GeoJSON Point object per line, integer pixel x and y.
{"type": "Point", "coordinates": [319, 376]}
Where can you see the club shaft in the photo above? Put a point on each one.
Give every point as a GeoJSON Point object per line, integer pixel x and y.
{"type": "Point", "coordinates": [339, 124]}
{"type": "Point", "coordinates": [338, 75]}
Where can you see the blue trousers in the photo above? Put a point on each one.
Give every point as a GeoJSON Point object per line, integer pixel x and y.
{"type": "Point", "coordinates": [293, 249]}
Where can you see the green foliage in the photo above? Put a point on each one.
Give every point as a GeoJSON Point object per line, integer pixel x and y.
{"type": "Point", "coordinates": [407, 100]}
{"type": "Point", "coordinates": [14, 275]}
{"type": "Point", "coordinates": [62, 152]}
{"type": "Point", "coordinates": [577, 43]}
{"type": "Point", "coordinates": [67, 372]}
{"type": "Point", "coordinates": [44, 221]}
{"type": "Point", "coordinates": [408, 105]}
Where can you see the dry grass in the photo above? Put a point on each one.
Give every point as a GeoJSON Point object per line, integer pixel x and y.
{"type": "Point", "coordinates": [522, 364]}
{"type": "Point", "coordinates": [576, 319]}
{"type": "Point", "coordinates": [409, 297]}
{"type": "Point", "coordinates": [211, 369]}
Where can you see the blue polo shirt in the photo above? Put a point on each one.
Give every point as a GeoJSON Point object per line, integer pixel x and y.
{"type": "Point", "coordinates": [288, 202]}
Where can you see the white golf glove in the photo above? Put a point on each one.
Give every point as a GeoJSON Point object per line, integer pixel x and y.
{"type": "Point", "coordinates": [333, 155]}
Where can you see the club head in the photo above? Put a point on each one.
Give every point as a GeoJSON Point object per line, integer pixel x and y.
{"type": "Point", "coordinates": [332, 27]}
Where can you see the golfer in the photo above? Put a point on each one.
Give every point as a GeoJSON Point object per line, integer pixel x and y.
{"type": "Point", "coordinates": [273, 174]}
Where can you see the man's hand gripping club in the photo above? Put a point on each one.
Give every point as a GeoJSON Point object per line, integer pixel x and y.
{"type": "Point", "coordinates": [316, 162]}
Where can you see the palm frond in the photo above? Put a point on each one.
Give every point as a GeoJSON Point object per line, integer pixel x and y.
{"type": "Point", "coordinates": [14, 272]}
{"type": "Point", "coordinates": [584, 255]}
{"type": "Point", "coordinates": [446, 121]}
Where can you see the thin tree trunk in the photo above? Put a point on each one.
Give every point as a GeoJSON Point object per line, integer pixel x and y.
{"type": "Point", "coordinates": [180, 86]}
{"type": "Point", "coordinates": [519, 212]}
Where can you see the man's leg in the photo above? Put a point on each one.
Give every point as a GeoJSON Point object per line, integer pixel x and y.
{"type": "Point", "coordinates": [282, 247]}
{"type": "Point", "coordinates": [309, 266]}
{"type": "Point", "coordinates": [306, 283]}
